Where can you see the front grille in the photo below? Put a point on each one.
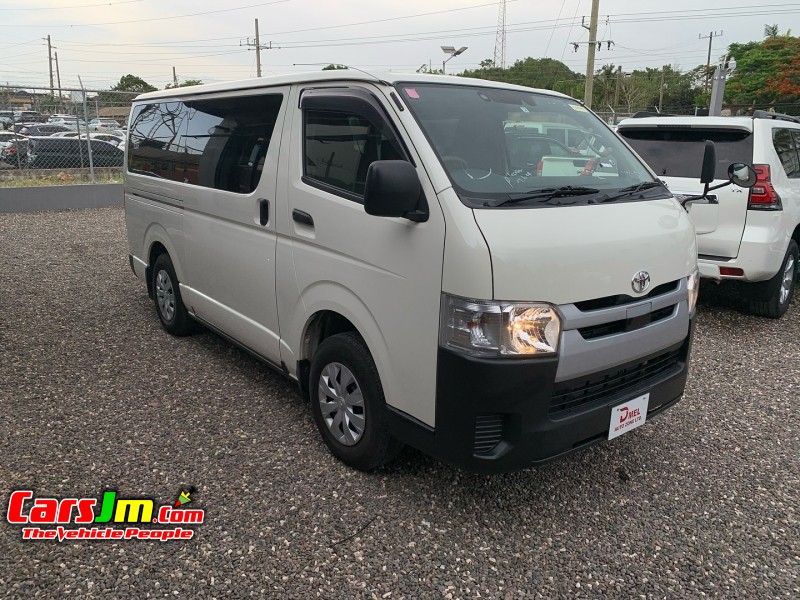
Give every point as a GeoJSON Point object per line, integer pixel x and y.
{"type": "Point", "coordinates": [621, 299]}
{"type": "Point", "coordinates": [488, 434]}
{"type": "Point", "coordinates": [570, 396]}
{"type": "Point", "coordinates": [596, 331]}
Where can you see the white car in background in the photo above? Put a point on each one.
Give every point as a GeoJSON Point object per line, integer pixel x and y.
{"type": "Point", "coordinates": [103, 125]}
{"type": "Point", "coordinates": [70, 121]}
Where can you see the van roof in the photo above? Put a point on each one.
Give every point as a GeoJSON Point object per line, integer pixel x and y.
{"type": "Point", "coordinates": [390, 78]}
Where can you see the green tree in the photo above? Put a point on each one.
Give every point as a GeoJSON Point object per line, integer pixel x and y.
{"type": "Point", "coordinates": [335, 67]}
{"type": "Point", "coordinates": [132, 83]}
{"type": "Point", "coordinates": [767, 74]}
{"type": "Point", "coordinates": [186, 83]}
{"type": "Point", "coordinates": [771, 31]}
{"type": "Point", "coordinates": [545, 73]}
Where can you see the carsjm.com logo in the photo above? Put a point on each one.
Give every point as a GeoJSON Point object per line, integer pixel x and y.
{"type": "Point", "coordinates": [138, 514]}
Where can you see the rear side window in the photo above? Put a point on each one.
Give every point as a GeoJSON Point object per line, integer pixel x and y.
{"type": "Point", "coordinates": [340, 147]}
{"type": "Point", "coordinates": [785, 142]}
{"type": "Point", "coordinates": [155, 140]}
{"type": "Point", "coordinates": [675, 152]}
{"type": "Point", "coordinates": [218, 143]}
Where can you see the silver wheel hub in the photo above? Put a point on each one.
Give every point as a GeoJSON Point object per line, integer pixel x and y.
{"type": "Point", "coordinates": [342, 403]}
{"type": "Point", "coordinates": [788, 279]}
{"type": "Point", "coordinates": [165, 295]}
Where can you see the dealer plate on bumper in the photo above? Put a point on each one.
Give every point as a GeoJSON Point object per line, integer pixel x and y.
{"type": "Point", "coordinates": [628, 415]}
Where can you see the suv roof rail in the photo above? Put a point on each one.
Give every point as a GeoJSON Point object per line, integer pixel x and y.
{"type": "Point", "coordinates": [764, 114]}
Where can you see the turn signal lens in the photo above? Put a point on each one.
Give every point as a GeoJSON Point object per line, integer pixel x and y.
{"type": "Point", "coordinates": [693, 282]}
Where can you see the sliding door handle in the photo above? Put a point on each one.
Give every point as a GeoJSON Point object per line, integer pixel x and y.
{"type": "Point", "coordinates": [300, 216]}
{"type": "Point", "coordinates": [263, 212]}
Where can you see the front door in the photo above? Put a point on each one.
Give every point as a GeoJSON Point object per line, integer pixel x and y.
{"type": "Point", "coordinates": [383, 274]}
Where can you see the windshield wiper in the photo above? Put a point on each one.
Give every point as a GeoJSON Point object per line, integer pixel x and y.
{"type": "Point", "coordinates": [627, 191]}
{"type": "Point", "coordinates": [544, 195]}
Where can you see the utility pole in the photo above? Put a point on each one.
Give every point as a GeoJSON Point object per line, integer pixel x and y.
{"type": "Point", "coordinates": [174, 77]}
{"type": "Point", "coordinates": [661, 89]}
{"type": "Point", "coordinates": [619, 87]}
{"type": "Point", "coordinates": [258, 51]}
{"type": "Point", "coordinates": [710, 37]}
{"type": "Point", "coordinates": [50, 63]}
{"type": "Point", "coordinates": [256, 43]}
{"type": "Point", "coordinates": [58, 79]}
{"type": "Point", "coordinates": [587, 97]}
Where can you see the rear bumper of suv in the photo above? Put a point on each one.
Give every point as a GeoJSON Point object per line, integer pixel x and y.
{"type": "Point", "coordinates": [761, 253]}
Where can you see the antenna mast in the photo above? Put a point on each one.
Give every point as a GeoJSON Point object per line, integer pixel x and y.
{"type": "Point", "coordinates": [500, 40]}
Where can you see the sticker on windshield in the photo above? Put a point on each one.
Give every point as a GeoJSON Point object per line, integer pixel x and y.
{"type": "Point", "coordinates": [578, 107]}
{"type": "Point", "coordinates": [523, 109]}
{"type": "Point", "coordinates": [412, 93]}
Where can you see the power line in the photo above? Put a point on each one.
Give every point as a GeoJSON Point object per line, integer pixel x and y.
{"type": "Point", "coordinates": [52, 8]}
{"type": "Point", "coordinates": [160, 18]}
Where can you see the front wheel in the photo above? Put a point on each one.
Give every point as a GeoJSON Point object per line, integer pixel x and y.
{"type": "Point", "coordinates": [771, 298]}
{"type": "Point", "coordinates": [348, 403]}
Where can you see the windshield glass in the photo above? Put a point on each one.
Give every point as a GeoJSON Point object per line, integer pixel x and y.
{"type": "Point", "coordinates": [675, 152]}
{"type": "Point", "coordinates": [495, 143]}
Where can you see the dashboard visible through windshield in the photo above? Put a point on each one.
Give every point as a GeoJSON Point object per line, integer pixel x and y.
{"type": "Point", "coordinates": [504, 147]}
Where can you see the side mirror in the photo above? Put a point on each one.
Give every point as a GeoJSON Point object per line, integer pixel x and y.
{"type": "Point", "coordinates": [392, 189]}
{"type": "Point", "coordinates": [709, 163]}
{"type": "Point", "coordinates": [742, 175]}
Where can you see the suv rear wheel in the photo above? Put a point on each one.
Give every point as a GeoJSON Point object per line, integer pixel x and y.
{"type": "Point", "coordinates": [771, 298]}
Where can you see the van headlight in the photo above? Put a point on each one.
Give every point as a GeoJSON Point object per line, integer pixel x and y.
{"type": "Point", "coordinates": [499, 329]}
{"type": "Point", "coordinates": [693, 285]}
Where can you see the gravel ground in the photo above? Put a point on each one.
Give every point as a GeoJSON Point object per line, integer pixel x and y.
{"type": "Point", "coordinates": [703, 501]}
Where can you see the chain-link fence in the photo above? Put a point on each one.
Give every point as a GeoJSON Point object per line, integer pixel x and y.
{"type": "Point", "coordinates": [61, 135]}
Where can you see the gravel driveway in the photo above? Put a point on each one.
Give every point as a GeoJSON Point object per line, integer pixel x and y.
{"type": "Point", "coordinates": [703, 501]}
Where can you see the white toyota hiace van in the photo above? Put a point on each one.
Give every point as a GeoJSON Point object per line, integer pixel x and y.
{"type": "Point", "coordinates": [390, 245]}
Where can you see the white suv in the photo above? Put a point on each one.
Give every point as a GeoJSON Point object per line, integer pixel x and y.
{"type": "Point", "coordinates": [746, 236]}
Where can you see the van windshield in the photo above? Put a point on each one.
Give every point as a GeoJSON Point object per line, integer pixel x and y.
{"type": "Point", "coordinates": [498, 143]}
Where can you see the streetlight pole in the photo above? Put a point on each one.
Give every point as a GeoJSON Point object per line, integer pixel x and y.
{"type": "Point", "coordinates": [452, 52]}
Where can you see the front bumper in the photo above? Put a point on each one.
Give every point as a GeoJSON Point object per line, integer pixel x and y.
{"type": "Point", "coordinates": [504, 415]}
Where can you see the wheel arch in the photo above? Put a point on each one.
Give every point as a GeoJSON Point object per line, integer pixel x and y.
{"type": "Point", "coordinates": [158, 242]}
{"type": "Point", "coordinates": [332, 309]}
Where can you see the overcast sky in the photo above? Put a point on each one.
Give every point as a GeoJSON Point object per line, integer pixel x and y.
{"type": "Point", "coordinates": [202, 39]}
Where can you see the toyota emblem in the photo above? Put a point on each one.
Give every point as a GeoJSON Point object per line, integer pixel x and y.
{"type": "Point", "coordinates": [640, 282]}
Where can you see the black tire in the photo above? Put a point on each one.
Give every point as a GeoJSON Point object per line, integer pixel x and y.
{"type": "Point", "coordinates": [167, 295]}
{"type": "Point", "coordinates": [374, 446]}
{"type": "Point", "coordinates": [764, 298]}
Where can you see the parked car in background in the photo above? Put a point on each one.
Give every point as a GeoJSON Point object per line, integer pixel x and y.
{"type": "Point", "coordinates": [30, 116]}
{"type": "Point", "coordinates": [71, 153]}
{"type": "Point", "coordinates": [114, 140]}
{"type": "Point", "coordinates": [751, 238]}
{"type": "Point", "coordinates": [111, 138]}
{"type": "Point", "coordinates": [69, 122]}
{"type": "Point", "coordinates": [103, 125]}
{"type": "Point", "coordinates": [13, 148]}
{"type": "Point", "coordinates": [37, 129]}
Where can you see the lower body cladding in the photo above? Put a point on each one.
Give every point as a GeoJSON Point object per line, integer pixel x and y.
{"type": "Point", "coordinates": [497, 415]}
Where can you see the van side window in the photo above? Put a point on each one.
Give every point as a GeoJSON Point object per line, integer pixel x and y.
{"type": "Point", "coordinates": [786, 147]}
{"type": "Point", "coordinates": [226, 141]}
{"type": "Point", "coordinates": [218, 143]}
{"type": "Point", "coordinates": [340, 147]}
{"type": "Point", "coordinates": [155, 142]}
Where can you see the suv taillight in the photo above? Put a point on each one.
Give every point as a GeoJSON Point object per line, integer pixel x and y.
{"type": "Point", "coordinates": [762, 195]}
